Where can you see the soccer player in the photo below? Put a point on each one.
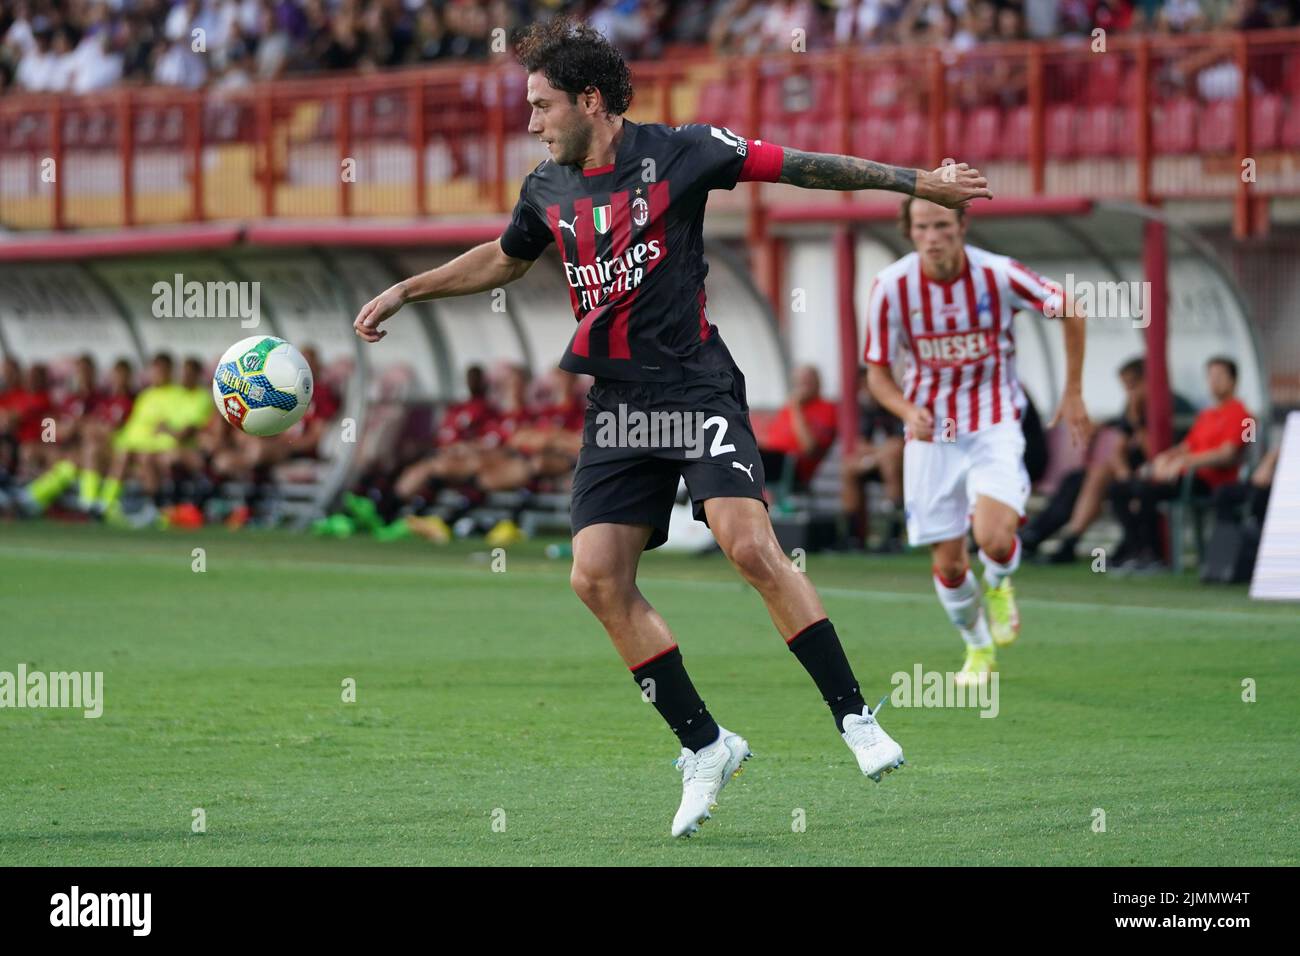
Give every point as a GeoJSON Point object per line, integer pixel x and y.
{"type": "Point", "coordinates": [948, 307]}
{"type": "Point", "coordinates": [624, 204]}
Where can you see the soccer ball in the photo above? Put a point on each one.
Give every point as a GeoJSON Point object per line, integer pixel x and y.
{"type": "Point", "coordinates": [262, 385]}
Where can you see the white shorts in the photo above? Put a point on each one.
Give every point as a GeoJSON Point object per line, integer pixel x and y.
{"type": "Point", "coordinates": [941, 480]}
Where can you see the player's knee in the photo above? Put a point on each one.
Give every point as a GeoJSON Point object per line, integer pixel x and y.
{"type": "Point", "coordinates": [951, 570]}
{"type": "Point", "coordinates": [755, 556]}
{"type": "Point", "coordinates": [585, 584]}
{"type": "Point", "coordinates": [597, 588]}
{"type": "Point", "coordinates": [997, 543]}
{"type": "Point", "coordinates": [950, 564]}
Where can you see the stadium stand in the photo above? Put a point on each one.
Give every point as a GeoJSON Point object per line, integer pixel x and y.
{"type": "Point", "coordinates": [252, 129]}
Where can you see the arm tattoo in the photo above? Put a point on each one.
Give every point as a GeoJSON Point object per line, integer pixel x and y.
{"type": "Point", "coordinates": [829, 171]}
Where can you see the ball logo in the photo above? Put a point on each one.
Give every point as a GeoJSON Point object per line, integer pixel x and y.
{"type": "Point", "coordinates": [640, 211]}
{"type": "Point", "coordinates": [258, 395]}
{"type": "Point", "coordinates": [234, 410]}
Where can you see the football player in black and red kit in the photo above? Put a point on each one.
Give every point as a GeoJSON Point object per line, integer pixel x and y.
{"type": "Point", "coordinates": [624, 204]}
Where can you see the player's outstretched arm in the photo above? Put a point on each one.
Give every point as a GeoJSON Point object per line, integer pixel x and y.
{"type": "Point", "coordinates": [950, 185]}
{"type": "Point", "coordinates": [481, 268]}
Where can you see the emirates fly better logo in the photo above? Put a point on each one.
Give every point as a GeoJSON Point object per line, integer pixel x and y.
{"type": "Point", "coordinates": [610, 277]}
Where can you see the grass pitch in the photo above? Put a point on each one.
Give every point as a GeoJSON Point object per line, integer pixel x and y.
{"type": "Point", "coordinates": [494, 724]}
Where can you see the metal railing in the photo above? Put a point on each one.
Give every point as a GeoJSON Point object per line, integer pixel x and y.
{"type": "Point", "coordinates": [1208, 115]}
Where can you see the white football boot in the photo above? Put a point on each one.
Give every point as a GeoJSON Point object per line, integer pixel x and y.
{"type": "Point", "coordinates": [704, 774]}
{"type": "Point", "coordinates": [877, 752]}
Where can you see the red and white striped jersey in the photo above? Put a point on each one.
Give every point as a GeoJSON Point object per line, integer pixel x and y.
{"type": "Point", "coordinates": [957, 335]}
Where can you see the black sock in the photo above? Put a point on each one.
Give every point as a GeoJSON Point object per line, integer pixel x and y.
{"type": "Point", "coordinates": [675, 698]}
{"type": "Point", "coordinates": [819, 650]}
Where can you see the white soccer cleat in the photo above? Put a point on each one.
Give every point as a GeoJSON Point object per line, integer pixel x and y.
{"type": "Point", "coordinates": [877, 752]}
{"type": "Point", "coordinates": [704, 774]}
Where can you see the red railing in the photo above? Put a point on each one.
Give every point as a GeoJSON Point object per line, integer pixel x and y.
{"type": "Point", "coordinates": [1147, 119]}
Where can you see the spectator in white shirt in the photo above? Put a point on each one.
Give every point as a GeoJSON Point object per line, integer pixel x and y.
{"type": "Point", "coordinates": [96, 66]}
{"type": "Point", "coordinates": [180, 66]}
{"type": "Point", "coordinates": [1181, 16]}
{"type": "Point", "coordinates": [20, 39]}
{"type": "Point", "coordinates": [36, 69]}
{"type": "Point", "coordinates": [783, 18]}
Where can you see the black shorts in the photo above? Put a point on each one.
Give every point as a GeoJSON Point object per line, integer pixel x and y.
{"type": "Point", "coordinates": [640, 438]}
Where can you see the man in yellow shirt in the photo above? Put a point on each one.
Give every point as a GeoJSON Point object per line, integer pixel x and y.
{"type": "Point", "coordinates": [161, 430]}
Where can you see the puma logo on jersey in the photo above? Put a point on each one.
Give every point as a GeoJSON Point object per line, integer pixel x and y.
{"type": "Point", "coordinates": [747, 469]}
{"type": "Point", "coordinates": [569, 226]}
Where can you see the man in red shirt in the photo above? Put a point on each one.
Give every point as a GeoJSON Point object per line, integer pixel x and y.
{"type": "Point", "coordinates": [465, 421]}
{"type": "Point", "coordinates": [548, 445]}
{"type": "Point", "coordinates": [468, 432]}
{"type": "Point", "coordinates": [15, 405]}
{"type": "Point", "coordinates": [88, 417]}
{"type": "Point", "coordinates": [11, 380]}
{"type": "Point", "coordinates": [1211, 452]}
{"type": "Point", "coordinates": [803, 430]}
{"type": "Point", "coordinates": [109, 412]}
{"type": "Point", "coordinates": [26, 413]}
{"type": "Point", "coordinates": [57, 460]}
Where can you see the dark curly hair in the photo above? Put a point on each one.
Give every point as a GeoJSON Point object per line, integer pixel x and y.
{"type": "Point", "coordinates": [575, 57]}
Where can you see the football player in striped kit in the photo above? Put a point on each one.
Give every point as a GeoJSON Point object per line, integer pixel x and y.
{"type": "Point", "coordinates": [948, 308]}
{"type": "Point", "coordinates": [623, 204]}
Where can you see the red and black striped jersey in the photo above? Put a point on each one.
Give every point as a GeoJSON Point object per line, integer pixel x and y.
{"type": "Point", "coordinates": [631, 240]}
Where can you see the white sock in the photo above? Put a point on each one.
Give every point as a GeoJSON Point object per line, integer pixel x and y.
{"type": "Point", "coordinates": [962, 605]}
{"type": "Point", "coordinates": [995, 572]}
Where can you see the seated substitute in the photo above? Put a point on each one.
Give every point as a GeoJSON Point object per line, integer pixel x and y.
{"type": "Point", "coordinates": [1211, 453]}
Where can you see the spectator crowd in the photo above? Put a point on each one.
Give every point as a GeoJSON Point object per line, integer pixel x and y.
{"type": "Point", "coordinates": [75, 442]}
{"type": "Point", "coordinates": [81, 46]}
{"type": "Point", "coordinates": [512, 435]}
{"type": "Point", "coordinates": [148, 450]}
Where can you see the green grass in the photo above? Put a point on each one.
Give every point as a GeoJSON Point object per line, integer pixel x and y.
{"type": "Point", "coordinates": [479, 690]}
